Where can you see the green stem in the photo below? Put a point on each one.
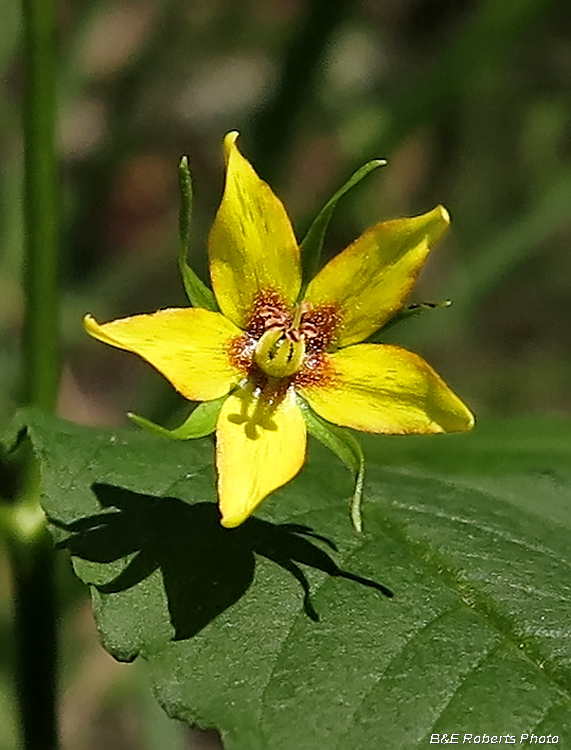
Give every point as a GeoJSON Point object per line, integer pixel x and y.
{"type": "Point", "coordinates": [31, 551]}
{"type": "Point", "coordinates": [275, 127]}
{"type": "Point", "coordinates": [41, 207]}
{"type": "Point", "coordinates": [35, 615]}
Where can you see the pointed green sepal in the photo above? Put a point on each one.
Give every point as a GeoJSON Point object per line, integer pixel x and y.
{"type": "Point", "coordinates": [408, 312]}
{"type": "Point", "coordinates": [347, 448]}
{"type": "Point", "coordinates": [199, 295]}
{"type": "Point", "coordinates": [200, 423]}
{"type": "Point", "coordinates": [312, 243]}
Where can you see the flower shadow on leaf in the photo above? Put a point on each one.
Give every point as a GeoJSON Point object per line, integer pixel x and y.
{"type": "Point", "coordinates": [205, 567]}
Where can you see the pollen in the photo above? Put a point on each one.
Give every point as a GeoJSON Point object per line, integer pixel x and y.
{"type": "Point", "coordinates": [318, 326]}
{"type": "Point", "coordinates": [241, 353]}
{"type": "Point", "coordinates": [269, 311]}
{"type": "Point", "coordinates": [317, 370]}
{"type": "Point", "coordinates": [282, 343]}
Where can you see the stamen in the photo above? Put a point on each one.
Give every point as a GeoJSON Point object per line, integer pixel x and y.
{"type": "Point", "coordinates": [281, 343]}
{"type": "Point", "coordinates": [278, 356]}
{"type": "Point", "coordinates": [318, 326]}
{"type": "Point", "coordinates": [269, 311]}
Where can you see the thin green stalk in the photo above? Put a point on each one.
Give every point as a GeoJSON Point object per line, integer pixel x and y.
{"type": "Point", "coordinates": [275, 127]}
{"type": "Point", "coordinates": [31, 551]}
{"type": "Point", "coordinates": [35, 617]}
{"type": "Point", "coordinates": [41, 207]}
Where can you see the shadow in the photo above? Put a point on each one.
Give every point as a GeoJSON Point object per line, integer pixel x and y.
{"type": "Point", "coordinates": [205, 567]}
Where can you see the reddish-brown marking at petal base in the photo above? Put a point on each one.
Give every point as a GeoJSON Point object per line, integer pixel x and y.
{"type": "Point", "coordinates": [241, 353]}
{"type": "Point", "coordinates": [269, 311]}
{"type": "Point", "coordinates": [318, 326]}
{"type": "Point", "coordinates": [317, 370]}
{"type": "Point", "coordinates": [274, 392]}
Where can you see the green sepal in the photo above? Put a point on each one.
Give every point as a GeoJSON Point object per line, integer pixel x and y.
{"type": "Point", "coordinates": [312, 243]}
{"type": "Point", "coordinates": [348, 450]}
{"type": "Point", "coordinates": [410, 311]}
{"type": "Point", "coordinates": [200, 423]}
{"type": "Point", "coordinates": [199, 295]}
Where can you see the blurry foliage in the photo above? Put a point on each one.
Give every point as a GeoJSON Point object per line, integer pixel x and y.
{"type": "Point", "coordinates": [468, 102]}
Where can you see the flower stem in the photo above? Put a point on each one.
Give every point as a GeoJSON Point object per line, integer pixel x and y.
{"type": "Point", "coordinates": [30, 548]}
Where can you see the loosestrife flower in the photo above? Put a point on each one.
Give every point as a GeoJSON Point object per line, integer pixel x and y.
{"type": "Point", "coordinates": [270, 353]}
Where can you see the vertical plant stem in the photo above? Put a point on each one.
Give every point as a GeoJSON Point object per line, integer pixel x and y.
{"type": "Point", "coordinates": [35, 618]}
{"type": "Point", "coordinates": [275, 127]}
{"type": "Point", "coordinates": [31, 550]}
{"type": "Point", "coordinates": [41, 207]}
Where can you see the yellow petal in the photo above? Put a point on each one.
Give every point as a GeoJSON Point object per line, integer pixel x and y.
{"type": "Point", "coordinates": [371, 279]}
{"type": "Point", "coordinates": [387, 389]}
{"type": "Point", "coordinates": [258, 449]}
{"type": "Point", "coordinates": [252, 246]}
{"type": "Point", "coordinates": [189, 346]}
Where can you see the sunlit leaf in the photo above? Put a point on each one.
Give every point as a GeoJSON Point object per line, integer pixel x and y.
{"type": "Point", "coordinates": [282, 633]}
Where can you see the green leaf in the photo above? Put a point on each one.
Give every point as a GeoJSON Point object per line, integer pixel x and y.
{"type": "Point", "coordinates": [408, 312]}
{"type": "Point", "coordinates": [347, 449]}
{"type": "Point", "coordinates": [200, 423]}
{"type": "Point", "coordinates": [312, 243]}
{"type": "Point", "coordinates": [281, 641]}
{"type": "Point", "coordinates": [199, 295]}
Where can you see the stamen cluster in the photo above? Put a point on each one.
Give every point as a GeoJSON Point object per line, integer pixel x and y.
{"type": "Point", "coordinates": [285, 344]}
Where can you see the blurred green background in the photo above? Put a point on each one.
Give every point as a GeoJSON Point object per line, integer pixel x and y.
{"type": "Point", "coordinates": [469, 101]}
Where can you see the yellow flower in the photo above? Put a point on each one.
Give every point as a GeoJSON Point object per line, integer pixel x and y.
{"type": "Point", "coordinates": [270, 353]}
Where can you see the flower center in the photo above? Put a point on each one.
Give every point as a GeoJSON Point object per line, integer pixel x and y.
{"type": "Point", "coordinates": [284, 344]}
{"type": "Point", "coordinates": [280, 353]}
